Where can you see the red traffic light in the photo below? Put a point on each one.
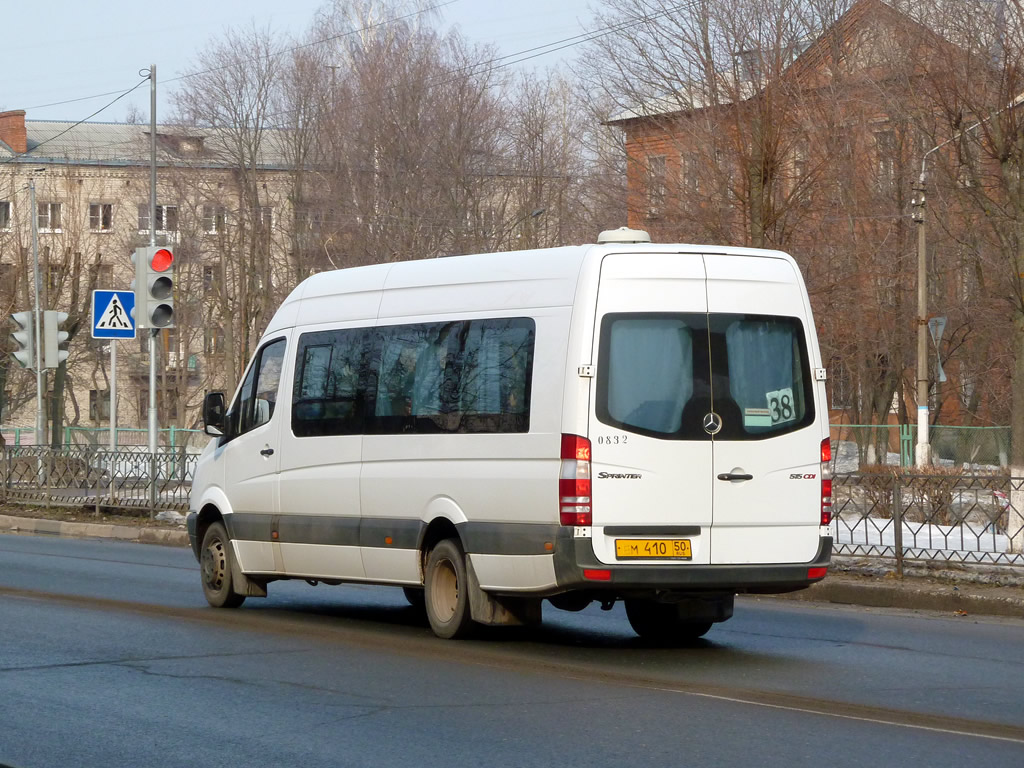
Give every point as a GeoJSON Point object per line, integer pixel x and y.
{"type": "Point", "coordinates": [162, 260]}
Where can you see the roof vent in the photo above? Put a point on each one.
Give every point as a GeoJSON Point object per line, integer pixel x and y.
{"type": "Point", "coordinates": [623, 235]}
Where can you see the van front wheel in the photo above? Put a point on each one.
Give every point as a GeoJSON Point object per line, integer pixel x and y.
{"type": "Point", "coordinates": [215, 568]}
{"type": "Point", "coordinates": [661, 622]}
{"type": "Point", "coordinates": [445, 591]}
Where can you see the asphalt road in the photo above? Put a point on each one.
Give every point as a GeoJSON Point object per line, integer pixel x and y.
{"type": "Point", "coordinates": [109, 656]}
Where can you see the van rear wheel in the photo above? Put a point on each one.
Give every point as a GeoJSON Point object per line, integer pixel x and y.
{"type": "Point", "coordinates": [662, 623]}
{"type": "Point", "coordinates": [446, 591]}
{"type": "Point", "coordinates": [215, 561]}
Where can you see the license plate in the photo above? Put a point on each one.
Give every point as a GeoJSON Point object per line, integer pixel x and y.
{"type": "Point", "coordinates": [653, 549]}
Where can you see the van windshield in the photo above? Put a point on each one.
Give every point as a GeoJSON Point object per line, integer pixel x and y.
{"type": "Point", "coordinates": [661, 374]}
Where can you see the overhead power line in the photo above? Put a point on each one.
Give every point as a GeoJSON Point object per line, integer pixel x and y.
{"type": "Point", "coordinates": [321, 41]}
{"type": "Point", "coordinates": [271, 55]}
{"type": "Point", "coordinates": [517, 57]}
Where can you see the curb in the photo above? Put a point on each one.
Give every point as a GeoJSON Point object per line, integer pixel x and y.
{"type": "Point", "coordinates": [142, 534]}
{"type": "Point", "coordinates": [945, 598]}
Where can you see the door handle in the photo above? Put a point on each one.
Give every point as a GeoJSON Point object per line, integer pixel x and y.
{"type": "Point", "coordinates": [267, 452]}
{"type": "Point", "coordinates": [734, 476]}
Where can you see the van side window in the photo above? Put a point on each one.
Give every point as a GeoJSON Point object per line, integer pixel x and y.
{"type": "Point", "coordinates": [257, 397]}
{"type": "Point", "coordinates": [327, 396]}
{"type": "Point", "coordinates": [412, 363]}
{"type": "Point", "coordinates": [497, 366]}
{"type": "Point", "coordinates": [461, 377]}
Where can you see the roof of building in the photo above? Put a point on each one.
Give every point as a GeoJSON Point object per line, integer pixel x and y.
{"type": "Point", "coordinates": [127, 144]}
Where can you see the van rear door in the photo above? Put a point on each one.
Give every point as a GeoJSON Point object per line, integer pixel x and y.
{"type": "Point", "coordinates": [767, 487]}
{"type": "Point", "coordinates": [651, 459]}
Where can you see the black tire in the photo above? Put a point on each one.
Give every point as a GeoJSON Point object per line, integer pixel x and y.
{"type": "Point", "coordinates": [445, 589]}
{"type": "Point", "coordinates": [415, 597]}
{"type": "Point", "coordinates": [215, 559]}
{"type": "Point", "coordinates": [661, 623]}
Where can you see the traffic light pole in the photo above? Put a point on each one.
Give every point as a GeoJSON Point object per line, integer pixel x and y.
{"type": "Point", "coordinates": [152, 241]}
{"type": "Point", "coordinates": [34, 213]}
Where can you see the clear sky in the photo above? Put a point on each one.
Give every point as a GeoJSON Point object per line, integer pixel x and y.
{"type": "Point", "coordinates": [64, 50]}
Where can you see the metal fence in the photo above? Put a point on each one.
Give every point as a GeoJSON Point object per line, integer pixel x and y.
{"type": "Point", "coordinates": [96, 477]}
{"type": "Point", "coordinates": [173, 437]}
{"type": "Point", "coordinates": [943, 516]}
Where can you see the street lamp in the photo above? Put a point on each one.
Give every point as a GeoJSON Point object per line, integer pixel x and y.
{"type": "Point", "coordinates": [923, 454]}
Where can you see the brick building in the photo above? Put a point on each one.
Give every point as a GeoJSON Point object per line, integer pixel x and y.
{"type": "Point", "coordinates": [818, 158]}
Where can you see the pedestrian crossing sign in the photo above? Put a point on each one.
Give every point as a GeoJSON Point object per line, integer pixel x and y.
{"type": "Point", "coordinates": [112, 314]}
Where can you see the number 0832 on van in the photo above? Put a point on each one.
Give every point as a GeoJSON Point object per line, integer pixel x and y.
{"type": "Point", "coordinates": [492, 433]}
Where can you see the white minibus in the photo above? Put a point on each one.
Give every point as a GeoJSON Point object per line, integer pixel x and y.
{"type": "Point", "coordinates": [621, 421]}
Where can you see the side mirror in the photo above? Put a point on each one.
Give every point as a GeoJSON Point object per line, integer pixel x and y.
{"type": "Point", "coordinates": [213, 414]}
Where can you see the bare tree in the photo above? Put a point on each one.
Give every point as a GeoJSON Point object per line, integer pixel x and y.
{"type": "Point", "coordinates": [230, 93]}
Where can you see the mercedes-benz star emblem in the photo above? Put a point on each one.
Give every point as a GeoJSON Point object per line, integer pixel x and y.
{"type": "Point", "coordinates": [712, 423]}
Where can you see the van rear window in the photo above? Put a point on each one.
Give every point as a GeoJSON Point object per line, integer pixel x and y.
{"type": "Point", "coordinates": [661, 375]}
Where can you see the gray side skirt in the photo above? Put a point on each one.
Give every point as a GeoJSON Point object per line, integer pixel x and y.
{"type": "Point", "coordinates": [477, 537]}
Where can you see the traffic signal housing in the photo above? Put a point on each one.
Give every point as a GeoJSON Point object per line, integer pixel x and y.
{"type": "Point", "coordinates": [154, 287]}
{"type": "Point", "coordinates": [53, 337]}
{"type": "Point", "coordinates": [24, 338]}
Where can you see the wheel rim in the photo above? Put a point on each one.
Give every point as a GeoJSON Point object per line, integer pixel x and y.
{"type": "Point", "coordinates": [214, 565]}
{"type": "Point", "coordinates": [444, 592]}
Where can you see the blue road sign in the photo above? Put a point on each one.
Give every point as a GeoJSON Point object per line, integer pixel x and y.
{"type": "Point", "coordinates": [112, 314]}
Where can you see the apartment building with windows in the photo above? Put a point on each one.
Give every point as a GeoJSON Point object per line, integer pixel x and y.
{"type": "Point", "coordinates": [91, 210]}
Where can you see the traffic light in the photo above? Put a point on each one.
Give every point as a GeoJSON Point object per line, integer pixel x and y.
{"type": "Point", "coordinates": [154, 287]}
{"type": "Point", "coordinates": [53, 337]}
{"type": "Point", "coordinates": [25, 353]}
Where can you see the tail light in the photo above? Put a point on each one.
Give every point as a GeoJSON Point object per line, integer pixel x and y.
{"type": "Point", "coordinates": [574, 482]}
{"type": "Point", "coordinates": [826, 482]}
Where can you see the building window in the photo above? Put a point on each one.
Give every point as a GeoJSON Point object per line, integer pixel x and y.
{"type": "Point", "coordinates": [692, 178]}
{"type": "Point", "coordinates": [99, 404]}
{"type": "Point", "coordinates": [840, 385]}
{"type": "Point", "coordinates": [171, 346]}
{"type": "Point", "coordinates": [886, 152]}
{"type": "Point", "coordinates": [970, 157]}
{"type": "Point", "coordinates": [308, 218]}
{"type": "Point", "coordinates": [101, 276]}
{"type": "Point", "coordinates": [48, 217]}
{"type": "Point", "coordinates": [5, 215]}
{"type": "Point", "coordinates": [166, 399]}
{"type": "Point", "coordinates": [166, 218]}
{"type": "Point", "coordinates": [54, 276]}
{"type": "Point", "coordinates": [263, 218]}
{"type": "Point", "coordinates": [214, 219]}
{"type": "Point", "coordinates": [213, 341]}
{"type": "Point", "coordinates": [211, 280]}
{"type": "Point", "coordinates": [656, 185]}
{"type": "Point", "coordinates": [101, 217]}
{"type": "Point", "coordinates": [8, 281]}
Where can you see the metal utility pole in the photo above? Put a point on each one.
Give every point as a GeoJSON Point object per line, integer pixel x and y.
{"type": "Point", "coordinates": [923, 454]}
{"type": "Point", "coordinates": [152, 241]}
{"type": "Point", "coordinates": [34, 213]}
